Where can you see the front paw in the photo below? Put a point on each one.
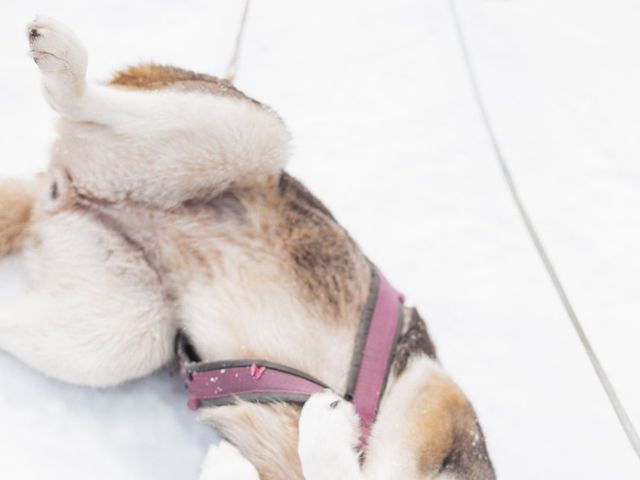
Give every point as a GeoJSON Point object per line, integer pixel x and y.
{"type": "Point", "coordinates": [329, 435]}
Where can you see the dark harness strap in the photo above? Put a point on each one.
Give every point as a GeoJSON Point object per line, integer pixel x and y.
{"type": "Point", "coordinates": [226, 382]}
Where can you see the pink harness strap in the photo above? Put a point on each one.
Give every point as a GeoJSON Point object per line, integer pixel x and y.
{"type": "Point", "coordinates": [380, 331]}
{"type": "Point", "coordinates": [222, 383]}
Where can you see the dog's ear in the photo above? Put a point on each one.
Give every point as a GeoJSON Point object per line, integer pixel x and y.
{"type": "Point", "coordinates": [450, 442]}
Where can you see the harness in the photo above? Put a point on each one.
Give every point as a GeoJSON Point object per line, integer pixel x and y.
{"type": "Point", "coordinates": [227, 381]}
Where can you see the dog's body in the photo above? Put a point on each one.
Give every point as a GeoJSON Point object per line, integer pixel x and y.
{"type": "Point", "coordinates": [166, 207]}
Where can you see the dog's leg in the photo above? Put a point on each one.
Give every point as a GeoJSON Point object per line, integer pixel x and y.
{"type": "Point", "coordinates": [74, 342]}
{"type": "Point", "coordinates": [96, 314]}
{"type": "Point", "coordinates": [225, 462]}
{"type": "Point", "coordinates": [329, 434]}
{"type": "Point", "coordinates": [162, 146]}
{"type": "Point", "coordinates": [62, 60]}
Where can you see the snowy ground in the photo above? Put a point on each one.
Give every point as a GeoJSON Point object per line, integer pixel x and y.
{"type": "Point", "coordinates": [387, 133]}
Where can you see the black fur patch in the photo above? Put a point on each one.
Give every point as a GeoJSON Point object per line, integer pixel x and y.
{"type": "Point", "coordinates": [415, 340]}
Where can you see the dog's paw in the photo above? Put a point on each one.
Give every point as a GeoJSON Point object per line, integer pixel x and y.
{"type": "Point", "coordinates": [60, 55]}
{"type": "Point", "coordinates": [329, 435]}
{"type": "Point", "coordinates": [225, 462]}
{"type": "Point", "coordinates": [328, 418]}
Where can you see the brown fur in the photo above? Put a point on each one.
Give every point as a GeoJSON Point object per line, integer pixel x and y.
{"type": "Point", "coordinates": [149, 76]}
{"type": "Point", "coordinates": [326, 263]}
{"type": "Point", "coordinates": [16, 201]}
{"type": "Point", "coordinates": [445, 432]}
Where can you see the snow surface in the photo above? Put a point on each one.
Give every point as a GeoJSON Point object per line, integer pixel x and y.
{"type": "Point", "coordinates": [388, 135]}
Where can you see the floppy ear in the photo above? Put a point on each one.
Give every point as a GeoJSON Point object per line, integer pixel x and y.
{"type": "Point", "coordinates": [449, 440]}
{"type": "Point", "coordinates": [16, 202]}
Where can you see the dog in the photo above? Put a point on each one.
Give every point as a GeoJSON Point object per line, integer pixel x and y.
{"type": "Point", "coordinates": [165, 209]}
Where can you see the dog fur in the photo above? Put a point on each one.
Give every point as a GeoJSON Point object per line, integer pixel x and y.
{"type": "Point", "coordinates": [166, 207]}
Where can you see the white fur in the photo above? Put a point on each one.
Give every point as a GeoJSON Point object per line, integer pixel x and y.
{"type": "Point", "coordinates": [329, 435]}
{"type": "Point", "coordinates": [222, 139]}
{"type": "Point", "coordinates": [223, 318]}
{"type": "Point", "coordinates": [83, 320]}
{"type": "Point", "coordinates": [162, 136]}
{"type": "Point", "coordinates": [62, 59]}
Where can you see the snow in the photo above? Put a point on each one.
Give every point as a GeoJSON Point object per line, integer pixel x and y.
{"type": "Point", "coordinates": [388, 135]}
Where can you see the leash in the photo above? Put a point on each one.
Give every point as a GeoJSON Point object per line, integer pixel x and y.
{"type": "Point", "coordinates": [232, 68]}
{"type": "Point", "coordinates": [615, 401]}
